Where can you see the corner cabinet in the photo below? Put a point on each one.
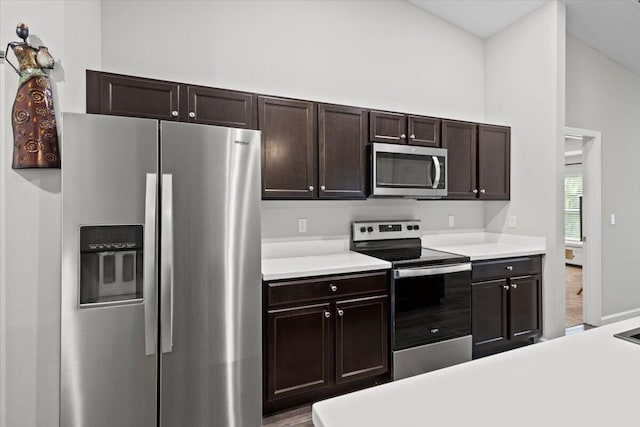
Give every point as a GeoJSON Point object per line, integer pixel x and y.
{"type": "Point", "coordinates": [478, 160]}
{"type": "Point", "coordinates": [121, 95]}
{"type": "Point", "coordinates": [506, 304]}
{"type": "Point", "coordinates": [323, 337]}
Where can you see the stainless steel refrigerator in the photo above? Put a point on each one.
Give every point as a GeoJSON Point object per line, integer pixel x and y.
{"type": "Point", "coordinates": [161, 284]}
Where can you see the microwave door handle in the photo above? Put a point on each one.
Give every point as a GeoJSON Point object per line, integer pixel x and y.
{"type": "Point", "coordinates": [436, 162]}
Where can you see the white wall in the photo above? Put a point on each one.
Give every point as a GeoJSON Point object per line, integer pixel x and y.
{"type": "Point", "coordinates": [524, 88]}
{"type": "Point", "coordinates": [30, 216]}
{"type": "Point", "coordinates": [603, 96]}
{"type": "Point", "coordinates": [378, 54]}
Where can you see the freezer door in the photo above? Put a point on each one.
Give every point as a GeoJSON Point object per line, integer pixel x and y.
{"type": "Point", "coordinates": [211, 326]}
{"type": "Point", "coordinates": [108, 251]}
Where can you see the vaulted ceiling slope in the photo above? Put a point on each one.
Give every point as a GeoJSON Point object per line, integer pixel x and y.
{"type": "Point", "coordinates": [609, 26]}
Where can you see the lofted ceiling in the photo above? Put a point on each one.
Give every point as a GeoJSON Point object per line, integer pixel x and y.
{"type": "Point", "coordinates": [610, 26]}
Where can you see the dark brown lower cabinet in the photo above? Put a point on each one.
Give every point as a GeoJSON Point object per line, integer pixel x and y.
{"type": "Point", "coordinates": [362, 349]}
{"type": "Point", "coordinates": [324, 348]}
{"type": "Point", "coordinates": [506, 312]}
{"type": "Point", "coordinates": [300, 350]}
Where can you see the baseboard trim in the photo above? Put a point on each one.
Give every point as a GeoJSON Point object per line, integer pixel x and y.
{"type": "Point", "coordinates": [623, 315]}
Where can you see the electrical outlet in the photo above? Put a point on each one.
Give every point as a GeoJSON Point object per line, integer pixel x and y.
{"type": "Point", "coordinates": [302, 225]}
{"type": "Point", "coordinates": [452, 221]}
{"type": "Point", "coordinates": [612, 219]}
{"type": "Point", "coordinates": [513, 221]}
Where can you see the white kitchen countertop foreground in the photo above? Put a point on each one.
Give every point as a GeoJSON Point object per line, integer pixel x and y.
{"type": "Point", "coordinates": [586, 379]}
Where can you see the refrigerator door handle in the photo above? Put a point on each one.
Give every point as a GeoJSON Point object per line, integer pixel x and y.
{"type": "Point", "coordinates": [149, 262]}
{"type": "Point", "coordinates": [166, 264]}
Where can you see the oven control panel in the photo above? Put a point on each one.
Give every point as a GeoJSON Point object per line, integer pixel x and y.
{"type": "Point", "coordinates": [384, 230]}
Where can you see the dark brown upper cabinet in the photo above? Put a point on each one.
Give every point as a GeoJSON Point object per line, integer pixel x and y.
{"type": "Point", "coordinates": [342, 160]}
{"type": "Point", "coordinates": [120, 95]}
{"type": "Point", "coordinates": [221, 107]}
{"type": "Point", "coordinates": [288, 148]}
{"type": "Point", "coordinates": [459, 138]}
{"type": "Point", "coordinates": [423, 131]}
{"type": "Point", "coordinates": [494, 146]}
{"type": "Point", "coordinates": [387, 127]}
{"type": "Point", "coordinates": [395, 128]}
{"type": "Point", "coordinates": [478, 160]}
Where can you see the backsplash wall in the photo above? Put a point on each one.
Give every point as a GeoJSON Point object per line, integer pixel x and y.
{"type": "Point", "coordinates": [333, 218]}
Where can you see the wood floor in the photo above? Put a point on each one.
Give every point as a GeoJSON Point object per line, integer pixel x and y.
{"type": "Point", "coordinates": [573, 284]}
{"type": "Point", "coordinates": [299, 417]}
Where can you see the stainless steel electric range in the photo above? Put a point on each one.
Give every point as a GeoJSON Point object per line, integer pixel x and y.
{"type": "Point", "coordinates": [430, 296]}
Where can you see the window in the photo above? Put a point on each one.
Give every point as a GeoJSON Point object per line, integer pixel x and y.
{"type": "Point", "coordinates": [573, 208]}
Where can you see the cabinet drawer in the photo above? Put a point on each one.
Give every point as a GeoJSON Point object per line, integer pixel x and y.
{"type": "Point", "coordinates": [506, 267]}
{"type": "Point", "coordinates": [306, 290]}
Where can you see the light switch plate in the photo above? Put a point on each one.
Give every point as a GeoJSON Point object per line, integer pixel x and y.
{"type": "Point", "coordinates": [302, 225]}
{"type": "Point", "coordinates": [612, 219]}
{"type": "Point", "coordinates": [452, 221]}
{"type": "Point", "coordinates": [513, 221]}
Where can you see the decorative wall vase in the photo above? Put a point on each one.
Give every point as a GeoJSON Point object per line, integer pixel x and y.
{"type": "Point", "coordinates": [35, 134]}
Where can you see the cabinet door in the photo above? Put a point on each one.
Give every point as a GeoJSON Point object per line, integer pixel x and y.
{"type": "Point", "coordinates": [121, 95]}
{"type": "Point", "coordinates": [299, 350]}
{"type": "Point", "coordinates": [489, 311]}
{"type": "Point", "coordinates": [342, 138]}
{"type": "Point", "coordinates": [460, 140]}
{"type": "Point", "coordinates": [387, 127]}
{"type": "Point", "coordinates": [362, 338]}
{"type": "Point", "coordinates": [494, 162]}
{"type": "Point", "coordinates": [524, 306]}
{"type": "Point", "coordinates": [424, 131]}
{"type": "Point", "coordinates": [221, 107]}
{"type": "Point", "coordinates": [288, 148]}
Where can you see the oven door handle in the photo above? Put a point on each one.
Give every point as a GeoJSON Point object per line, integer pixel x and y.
{"type": "Point", "coordinates": [401, 273]}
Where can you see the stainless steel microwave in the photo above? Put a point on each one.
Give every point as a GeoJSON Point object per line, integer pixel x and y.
{"type": "Point", "coordinates": [408, 171]}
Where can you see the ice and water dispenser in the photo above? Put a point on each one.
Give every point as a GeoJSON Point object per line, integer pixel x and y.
{"type": "Point", "coordinates": [111, 259]}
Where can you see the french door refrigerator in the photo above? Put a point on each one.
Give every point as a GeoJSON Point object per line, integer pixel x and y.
{"type": "Point", "coordinates": [161, 296]}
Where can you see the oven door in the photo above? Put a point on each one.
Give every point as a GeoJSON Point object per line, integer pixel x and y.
{"type": "Point", "coordinates": [430, 304]}
{"type": "Point", "coordinates": [408, 171]}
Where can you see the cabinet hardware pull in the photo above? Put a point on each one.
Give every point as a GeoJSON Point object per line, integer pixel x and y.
{"type": "Point", "coordinates": [311, 188]}
{"type": "Point", "coordinates": [403, 136]}
{"type": "Point", "coordinates": [435, 331]}
{"type": "Point", "coordinates": [333, 288]}
{"type": "Point", "coordinates": [327, 314]}
{"type": "Point", "coordinates": [322, 187]}
{"type": "Point", "coordinates": [192, 114]}
{"type": "Point", "coordinates": [340, 312]}
{"type": "Point", "coordinates": [483, 191]}
{"type": "Point", "coordinates": [509, 267]}
{"type": "Point", "coordinates": [505, 287]}
{"type": "Point", "coordinates": [174, 113]}
{"type": "Point", "coordinates": [514, 286]}
{"type": "Point", "coordinates": [412, 136]}
{"type": "Point", "coordinates": [475, 191]}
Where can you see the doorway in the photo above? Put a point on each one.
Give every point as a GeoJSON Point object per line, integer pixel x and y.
{"type": "Point", "coordinates": [582, 214]}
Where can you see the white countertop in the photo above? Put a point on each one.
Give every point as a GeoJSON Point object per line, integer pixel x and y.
{"type": "Point", "coordinates": [480, 246]}
{"type": "Point", "coordinates": [586, 379]}
{"type": "Point", "coordinates": [319, 265]}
